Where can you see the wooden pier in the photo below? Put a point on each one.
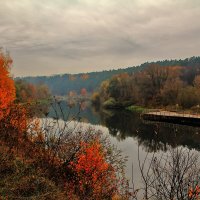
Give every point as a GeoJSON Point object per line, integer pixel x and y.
{"type": "Point", "coordinates": [173, 117]}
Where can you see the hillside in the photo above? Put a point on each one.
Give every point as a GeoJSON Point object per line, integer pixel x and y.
{"type": "Point", "coordinates": [64, 83]}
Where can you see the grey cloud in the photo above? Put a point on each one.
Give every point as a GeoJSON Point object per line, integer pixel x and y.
{"type": "Point", "coordinates": [70, 36]}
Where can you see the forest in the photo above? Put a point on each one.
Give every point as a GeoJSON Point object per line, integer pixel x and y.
{"type": "Point", "coordinates": [65, 83]}
{"type": "Point", "coordinates": [155, 86]}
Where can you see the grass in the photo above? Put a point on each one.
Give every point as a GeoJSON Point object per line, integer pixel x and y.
{"type": "Point", "coordinates": [134, 108]}
{"type": "Point", "coordinates": [111, 103]}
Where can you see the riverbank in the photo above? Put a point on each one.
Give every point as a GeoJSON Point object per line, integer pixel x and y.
{"type": "Point", "coordinates": [170, 114]}
{"type": "Point", "coordinates": [169, 109]}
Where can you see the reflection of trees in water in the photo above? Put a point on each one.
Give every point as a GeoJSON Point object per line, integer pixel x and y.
{"type": "Point", "coordinates": [153, 136]}
{"type": "Point", "coordinates": [172, 175]}
{"type": "Point", "coordinates": [78, 110]}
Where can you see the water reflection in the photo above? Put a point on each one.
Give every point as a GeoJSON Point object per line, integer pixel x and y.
{"type": "Point", "coordinates": [153, 136]}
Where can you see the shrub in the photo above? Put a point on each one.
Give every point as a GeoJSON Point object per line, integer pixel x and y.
{"type": "Point", "coordinates": [96, 99]}
{"type": "Point", "coordinates": [95, 177]}
{"type": "Point", "coordinates": [188, 97]}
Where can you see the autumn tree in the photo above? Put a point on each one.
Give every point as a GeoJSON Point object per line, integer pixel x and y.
{"type": "Point", "coordinates": [7, 88]}
{"type": "Point", "coordinates": [170, 91]}
{"type": "Point", "coordinates": [104, 93]}
{"type": "Point", "coordinates": [28, 92]}
{"type": "Point", "coordinates": [197, 81]}
{"type": "Point", "coordinates": [95, 176]}
{"type": "Point", "coordinates": [155, 78]}
{"type": "Point", "coordinates": [172, 86]}
{"type": "Point", "coordinates": [96, 100]}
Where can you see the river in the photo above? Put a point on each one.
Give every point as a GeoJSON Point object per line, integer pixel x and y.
{"type": "Point", "coordinates": [128, 132]}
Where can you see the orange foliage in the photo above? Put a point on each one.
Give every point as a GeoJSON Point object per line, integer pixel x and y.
{"type": "Point", "coordinates": [194, 192]}
{"type": "Point", "coordinates": [18, 118]}
{"type": "Point", "coordinates": [13, 115]}
{"type": "Point", "coordinates": [94, 174]}
{"type": "Point", "coordinates": [7, 88]}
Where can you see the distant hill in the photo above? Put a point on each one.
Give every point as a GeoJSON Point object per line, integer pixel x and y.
{"type": "Point", "coordinates": [64, 83]}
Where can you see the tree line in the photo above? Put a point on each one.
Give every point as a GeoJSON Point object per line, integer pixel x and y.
{"type": "Point", "coordinates": [64, 83]}
{"type": "Point", "coordinates": [153, 86]}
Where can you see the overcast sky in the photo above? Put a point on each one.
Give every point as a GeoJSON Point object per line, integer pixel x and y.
{"type": "Point", "coordinates": [69, 36]}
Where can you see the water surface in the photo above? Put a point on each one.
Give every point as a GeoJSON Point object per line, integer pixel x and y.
{"type": "Point", "coordinates": [128, 131]}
